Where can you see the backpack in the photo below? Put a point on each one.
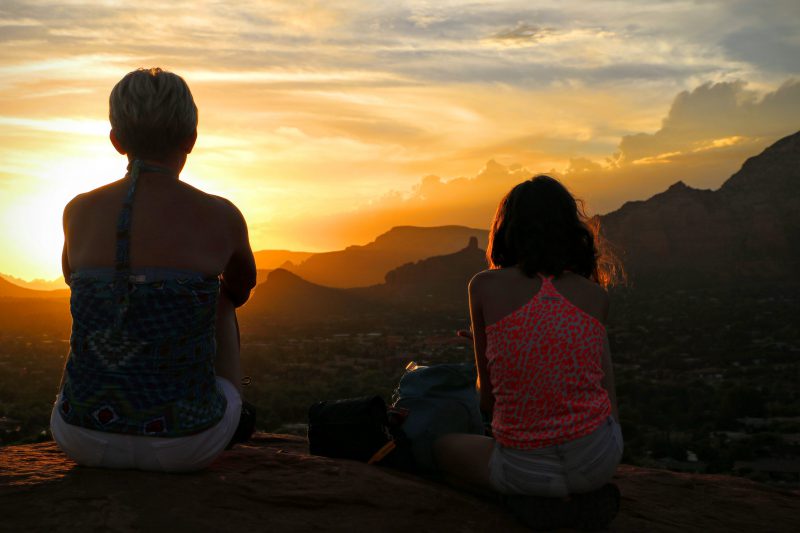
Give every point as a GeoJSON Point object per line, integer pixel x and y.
{"type": "Point", "coordinates": [440, 399]}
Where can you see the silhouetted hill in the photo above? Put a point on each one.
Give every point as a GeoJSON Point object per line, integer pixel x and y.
{"type": "Point", "coordinates": [36, 284]}
{"type": "Point", "coordinates": [285, 295]}
{"type": "Point", "coordinates": [434, 284]}
{"type": "Point", "coordinates": [272, 259]}
{"type": "Point", "coordinates": [361, 266]}
{"type": "Point", "coordinates": [262, 275]}
{"type": "Point", "coordinates": [10, 290]}
{"type": "Point", "coordinates": [747, 229]}
{"type": "Point", "coordinates": [440, 281]}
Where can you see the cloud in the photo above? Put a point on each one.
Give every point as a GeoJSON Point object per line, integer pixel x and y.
{"type": "Point", "coordinates": [521, 34]}
{"type": "Point", "coordinates": [705, 137]}
{"type": "Point", "coordinates": [433, 201]}
{"type": "Point", "coordinates": [716, 111]}
{"type": "Point", "coordinates": [769, 39]}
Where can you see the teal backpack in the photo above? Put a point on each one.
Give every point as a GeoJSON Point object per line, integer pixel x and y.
{"type": "Point", "coordinates": [440, 399]}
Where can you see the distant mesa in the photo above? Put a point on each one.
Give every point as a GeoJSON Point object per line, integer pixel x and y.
{"type": "Point", "coordinates": [749, 229]}
{"type": "Point", "coordinates": [272, 259]}
{"type": "Point", "coordinates": [435, 284]}
{"type": "Point", "coordinates": [362, 266]}
{"type": "Point", "coordinates": [286, 295]}
{"type": "Point", "coordinates": [439, 275]}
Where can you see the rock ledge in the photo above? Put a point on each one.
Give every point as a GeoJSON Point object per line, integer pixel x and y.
{"type": "Point", "coordinates": [272, 484]}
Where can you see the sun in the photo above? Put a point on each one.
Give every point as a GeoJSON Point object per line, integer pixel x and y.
{"type": "Point", "coordinates": [31, 212]}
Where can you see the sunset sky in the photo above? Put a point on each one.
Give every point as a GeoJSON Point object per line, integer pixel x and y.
{"type": "Point", "coordinates": [329, 122]}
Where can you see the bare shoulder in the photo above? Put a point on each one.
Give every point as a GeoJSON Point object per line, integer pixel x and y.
{"type": "Point", "coordinates": [228, 206]}
{"type": "Point", "coordinates": [481, 281]}
{"type": "Point", "coordinates": [75, 204]}
{"type": "Point", "coordinates": [592, 293]}
{"type": "Point", "coordinates": [90, 198]}
{"type": "Point", "coordinates": [232, 214]}
{"type": "Point", "coordinates": [86, 202]}
{"type": "Point", "coordinates": [221, 206]}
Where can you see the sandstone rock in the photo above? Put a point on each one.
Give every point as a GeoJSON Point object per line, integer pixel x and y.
{"type": "Point", "coordinates": [272, 484]}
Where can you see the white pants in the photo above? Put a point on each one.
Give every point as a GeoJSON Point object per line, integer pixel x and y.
{"type": "Point", "coordinates": [89, 447]}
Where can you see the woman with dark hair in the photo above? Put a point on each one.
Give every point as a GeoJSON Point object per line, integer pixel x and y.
{"type": "Point", "coordinates": [156, 269]}
{"type": "Point", "coordinates": [544, 366]}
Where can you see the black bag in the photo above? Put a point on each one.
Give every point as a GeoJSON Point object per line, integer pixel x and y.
{"type": "Point", "coordinates": [354, 428]}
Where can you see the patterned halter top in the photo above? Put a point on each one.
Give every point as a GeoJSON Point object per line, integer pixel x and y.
{"type": "Point", "coordinates": [142, 348]}
{"type": "Point", "coordinates": [544, 362]}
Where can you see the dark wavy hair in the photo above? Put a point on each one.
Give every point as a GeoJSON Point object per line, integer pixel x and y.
{"type": "Point", "coordinates": [541, 228]}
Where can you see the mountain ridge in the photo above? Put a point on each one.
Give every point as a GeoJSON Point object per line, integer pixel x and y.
{"type": "Point", "coordinates": [680, 236]}
{"type": "Point", "coordinates": [432, 284]}
{"type": "Point", "coordinates": [742, 230]}
{"type": "Point", "coordinates": [12, 290]}
{"type": "Point", "coordinates": [367, 264]}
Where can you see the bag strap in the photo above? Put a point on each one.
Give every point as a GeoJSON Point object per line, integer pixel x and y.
{"type": "Point", "coordinates": [383, 452]}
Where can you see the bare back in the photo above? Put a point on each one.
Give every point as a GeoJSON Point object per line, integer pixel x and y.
{"type": "Point", "coordinates": [174, 225]}
{"type": "Point", "coordinates": [503, 291]}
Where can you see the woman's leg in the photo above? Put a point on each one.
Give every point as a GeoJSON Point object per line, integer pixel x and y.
{"type": "Point", "coordinates": [464, 458]}
{"type": "Point", "coordinates": [228, 363]}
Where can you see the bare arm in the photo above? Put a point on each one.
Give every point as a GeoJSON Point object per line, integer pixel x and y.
{"type": "Point", "coordinates": [605, 362]}
{"type": "Point", "coordinates": [479, 341]}
{"type": "Point", "coordinates": [608, 367]}
{"type": "Point", "coordinates": [608, 378]}
{"type": "Point", "coordinates": [239, 276]}
{"type": "Point", "coordinates": [66, 270]}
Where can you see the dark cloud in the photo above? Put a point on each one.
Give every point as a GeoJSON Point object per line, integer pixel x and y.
{"type": "Point", "coordinates": [763, 34]}
{"type": "Point", "coordinates": [714, 111]}
{"type": "Point", "coordinates": [522, 33]}
{"type": "Point", "coordinates": [429, 43]}
{"type": "Point", "coordinates": [777, 50]}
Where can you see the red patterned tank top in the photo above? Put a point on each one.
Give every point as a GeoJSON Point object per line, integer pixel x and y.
{"type": "Point", "coordinates": [545, 369]}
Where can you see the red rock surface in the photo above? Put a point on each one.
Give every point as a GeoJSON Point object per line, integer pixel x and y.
{"type": "Point", "coordinates": [272, 484]}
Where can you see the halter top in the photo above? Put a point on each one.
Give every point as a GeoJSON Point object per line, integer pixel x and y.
{"type": "Point", "coordinates": [544, 362]}
{"type": "Point", "coordinates": [142, 348]}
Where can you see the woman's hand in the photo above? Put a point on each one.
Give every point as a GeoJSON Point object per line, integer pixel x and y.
{"type": "Point", "coordinates": [465, 333]}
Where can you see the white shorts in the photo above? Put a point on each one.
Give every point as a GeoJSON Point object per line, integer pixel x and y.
{"type": "Point", "coordinates": [89, 447]}
{"type": "Point", "coordinates": [581, 465]}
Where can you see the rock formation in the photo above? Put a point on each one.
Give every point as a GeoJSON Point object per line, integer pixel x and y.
{"type": "Point", "coordinates": [361, 266]}
{"type": "Point", "coordinates": [435, 284]}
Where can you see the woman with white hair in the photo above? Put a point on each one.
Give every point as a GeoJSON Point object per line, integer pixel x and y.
{"type": "Point", "coordinates": [156, 268]}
